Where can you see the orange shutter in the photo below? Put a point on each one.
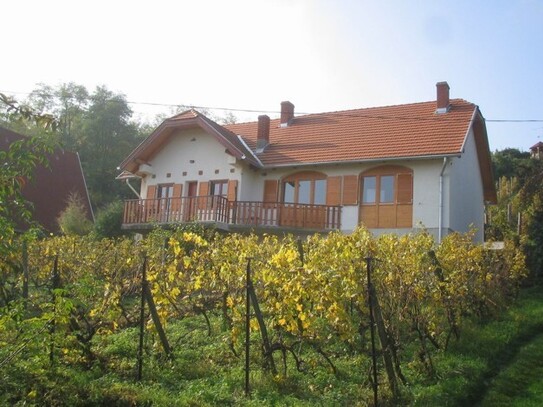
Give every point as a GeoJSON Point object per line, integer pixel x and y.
{"type": "Point", "coordinates": [232, 190]}
{"type": "Point", "coordinates": [333, 191]}
{"type": "Point", "coordinates": [151, 192]}
{"type": "Point", "coordinates": [270, 190]}
{"type": "Point", "coordinates": [177, 190]}
{"type": "Point", "coordinates": [176, 197]}
{"type": "Point", "coordinates": [203, 191]}
{"type": "Point", "coordinates": [405, 189]}
{"type": "Point", "coordinates": [350, 190]}
{"type": "Point", "coordinates": [151, 205]}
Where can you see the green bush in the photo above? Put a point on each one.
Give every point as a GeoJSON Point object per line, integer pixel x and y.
{"type": "Point", "coordinates": [74, 220]}
{"type": "Point", "coordinates": [109, 221]}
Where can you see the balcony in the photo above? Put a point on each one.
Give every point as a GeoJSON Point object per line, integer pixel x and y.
{"type": "Point", "coordinates": [141, 214]}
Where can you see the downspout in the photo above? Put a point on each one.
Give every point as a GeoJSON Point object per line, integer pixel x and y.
{"type": "Point", "coordinates": [440, 214]}
{"type": "Point", "coordinates": [132, 188]}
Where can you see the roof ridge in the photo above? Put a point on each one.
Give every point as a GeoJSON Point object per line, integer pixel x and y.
{"type": "Point", "coordinates": [346, 111]}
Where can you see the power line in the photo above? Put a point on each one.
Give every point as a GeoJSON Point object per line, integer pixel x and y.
{"type": "Point", "coordinates": [340, 113]}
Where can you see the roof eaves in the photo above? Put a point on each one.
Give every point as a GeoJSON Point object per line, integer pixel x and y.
{"type": "Point", "coordinates": [141, 146]}
{"type": "Point", "coordinates": [470, 126]}
{"type": "Point", "coordinates": [363, 160]}
{"type": "Point", "coordinates": [237, 152]}
{"type": "Point", "coordinates": [260, 165]}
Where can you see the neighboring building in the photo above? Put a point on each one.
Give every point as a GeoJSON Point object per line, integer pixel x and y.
{"type": "Point", "coordinates": [537, 150]}
{"type": "Point", "coordinates": [394, 169]}
{"type": "Point", "coordinates": [51, 185]}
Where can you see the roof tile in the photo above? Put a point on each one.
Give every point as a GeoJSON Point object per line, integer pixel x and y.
{"type": "Point", "coordinates": [412, 130]}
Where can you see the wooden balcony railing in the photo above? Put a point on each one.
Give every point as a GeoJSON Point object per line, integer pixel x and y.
{"type": "Point", "coordinates": [219, 209]}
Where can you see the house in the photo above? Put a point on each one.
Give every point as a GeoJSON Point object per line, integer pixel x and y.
{"type": "Point", "coordinates": [393, 169]}
{"type": "Point", "coordinates": [536, 151]}
{"type": "Point", "coordinates": [51, 186]}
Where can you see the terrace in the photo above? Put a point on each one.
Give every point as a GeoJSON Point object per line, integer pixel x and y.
{"type": "Point", "coordinates": [143, 214]}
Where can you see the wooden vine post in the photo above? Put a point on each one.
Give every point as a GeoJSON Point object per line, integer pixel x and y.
{"type": "Point", "coordinates": [247, 327]}
{"type": "Point", "coordinates": [142, 318]}
{"type": "Point", "coordinates": [372, 332]}
{"type": "Point", "coordinates": [25, 273]}
{"type": "Point", "coordinates": [147, 296]}
{"type": "Point", "coordinates": [377, 321]}
{"type": "Point", "coordinates": [55, 284]}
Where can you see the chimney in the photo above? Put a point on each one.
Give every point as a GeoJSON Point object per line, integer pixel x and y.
{"type": "Point", "coordinates": [287, 113]}
{"type": "Point", "coordinates": [442, 97]}
{"type": "Point", "coordinates": [263, 133]}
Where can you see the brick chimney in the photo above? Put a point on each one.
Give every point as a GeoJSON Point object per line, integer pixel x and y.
{"type": "Point", "coordinates": [287, 113]}
{"type": "Point", "coordinates": [442, 97]}
{"type": "Point", "coordinates": [263, 133]}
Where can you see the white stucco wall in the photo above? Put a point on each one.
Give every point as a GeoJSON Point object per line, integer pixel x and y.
{"type": "Point", "coordinates": [191, 151]}
{"type": "Point", "coordinates": [466, 198]}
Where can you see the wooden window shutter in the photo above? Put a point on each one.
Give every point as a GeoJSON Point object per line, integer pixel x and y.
{"type": "Point", "coordinates": [405, 189]}
{"type": "Point", "coordinates": [151, 192]}
{"type": "Point", "coordinates": [177, 190]}
{"type": "Point", "coordinates": [350, 190]}
{"type": "Point", "coordinates": [203, 191]}
{"type": "Point", "coordinates": [150, 207]}
{"type": "Point", "coordinates": [232, 190]}
{"type": "Point", "coordinates": [333, 191]}
{"type": "Point", "coordinates": [176, 198]}
{"type": "Point", "coordinates": [270, 190]}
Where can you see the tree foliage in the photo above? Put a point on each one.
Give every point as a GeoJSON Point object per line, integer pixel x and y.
{"type": "Point", "coordinates": [97, 124]}
{"type": "Point", "coordinates": [519, 212]}
{"type": "Point", "coordinates": [16, 168]}
{"type": "Point", "coordinates": [74, 220]}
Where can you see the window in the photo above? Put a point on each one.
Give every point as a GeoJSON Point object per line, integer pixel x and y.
{"type": "Point", "coordinates": [387, 197]}
{"type": "Point", "coordinates": [368, 189]}
{"type": "Point", "coordinates": [386, 189]}
{"type": "Point", "coordinates": [305, 188]}
{"type": "Point", "coordinates": [165, 191]}
{"type": "Point", "coordinates": [289, 191]}
{"type": "Point", "coordinates": [300, 192]}
{"type": "Point", "coordinates": [319, 196]}
{"type": "Point", "coordinates": [219, 188]}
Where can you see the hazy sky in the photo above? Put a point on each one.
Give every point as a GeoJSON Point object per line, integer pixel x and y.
{"type": "Point", "coordinates": [321, 55]}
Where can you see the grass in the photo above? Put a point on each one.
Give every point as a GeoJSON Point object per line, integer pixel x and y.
{"type": "Point", "coordinates": [483, 366]}
{"type": "Point", "coordinates": [496, 363]}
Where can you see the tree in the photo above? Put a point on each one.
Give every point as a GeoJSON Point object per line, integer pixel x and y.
{"type": "Point", "coordinates": [520, 192]}
{"type": "Point", "coordinates": [73, 220]}
{"type": "Point", "coordinates": [17, 163]}
{"type": "Point", "coordinates": [68, 102]}
{"type": "Point", "coordinates": [510, 162]}
{"type": "Point", "coordinates": [107, 137]}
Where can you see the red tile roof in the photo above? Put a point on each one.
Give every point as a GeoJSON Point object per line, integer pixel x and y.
{"type": "Point", "coordinates": [411, 130]}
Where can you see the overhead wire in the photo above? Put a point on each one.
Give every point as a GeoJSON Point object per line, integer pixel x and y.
{"type": "Point", "coordinates": [345, 113]}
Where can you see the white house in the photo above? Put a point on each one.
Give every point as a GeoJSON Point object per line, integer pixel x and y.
{"type": "Point", "coordinates": [394, 169]}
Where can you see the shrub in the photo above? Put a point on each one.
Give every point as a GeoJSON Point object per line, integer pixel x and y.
{"type": "Point", "coordinates": [109, 220]}
{"type": "Point", "coordinates": [74, 219]}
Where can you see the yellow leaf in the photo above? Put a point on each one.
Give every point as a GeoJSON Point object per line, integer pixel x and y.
{"type": "Point", "coordinates": [230, 301]}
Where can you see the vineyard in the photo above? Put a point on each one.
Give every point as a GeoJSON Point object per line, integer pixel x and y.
{"type": "Point", "coordinates": [79, 311]}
